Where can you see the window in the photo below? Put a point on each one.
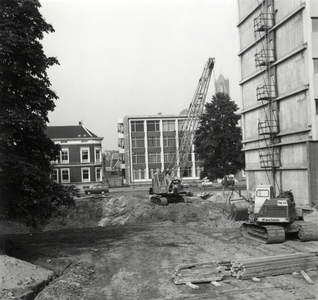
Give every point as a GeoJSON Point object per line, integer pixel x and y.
{"type": "Point", "coordinates": [316, 100]}
{"type": "Point", "coordinates": [65, 156]}
{"type": "Point", "coordinates": [85, 155]}
{"type": "Point", "coordinates": [98, 174]}
{"type": "Point", "coordinates": [198, 171]}
{"type": "Point", "coordinates": [120, 127]}
{"type": "Point", "coordinates": [138, 158]}
{"type": "Point", "coordinates": [151, 172]}
{"type": "Point", "coordinates": [154, 157]}
{"type": "Point", "coordinates": [262, 193]}
{"type": "Point", "coordinates": [169, 156]}
{"type": "Point", "coordinates": [187, 172]}
{"type": "Point", "coordinates": [139, 174]}
{"type": "Point", "coordinates": [137, 126]}
{"type": "Point", "coordinates": [121, 143]}
{"type": "Point", "coordinates": [315, 65]}
{"type": "Point", "coordinates": [153, 126]}
{"type": "Point", "coordinates": [137, 142]}
{"type": "Point", "coordinates": [314, 25]}
{"type": "Point", "coordinates": [65, 175]}
{"type": "Point", "coordinates": [153, 141]}
{"type": "Point", "coordinates": [55, 175]}
{"type": "Point", "coordinates": [180, 124]}
{"type": "Point", "coordinates": [169, 141]}
{"type": "Point", "coordinates": [168, 125]}
{"type": "Point", "coordinates": [86, 176]}
{"type": "Point", "coordinates": [98, 155]}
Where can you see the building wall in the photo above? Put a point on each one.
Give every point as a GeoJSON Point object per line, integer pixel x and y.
{"type": "Point", "coordinates": [292, 73]}
{"type": "Point", "coordinates": [153, 154]}
{"type": "Point", "coordinates": [75, 165]}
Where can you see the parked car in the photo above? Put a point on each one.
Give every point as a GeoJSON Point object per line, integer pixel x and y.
{"type": "Point", "coordinates": [206, 182]}
{"type": "Point", "coordinates": [231, 180]}
{"type": "Point", "coordinates": [185, 185]}
{"type": "Point", "coordinates": [97, 189]}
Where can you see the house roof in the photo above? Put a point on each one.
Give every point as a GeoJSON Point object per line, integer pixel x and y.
{"type": "Point", "coordinates": [69, 132]}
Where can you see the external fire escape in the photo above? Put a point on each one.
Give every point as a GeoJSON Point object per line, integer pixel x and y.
{"type": "Point", "coordinates": [268, 128]}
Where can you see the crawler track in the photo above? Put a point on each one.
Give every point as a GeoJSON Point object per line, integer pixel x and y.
{"type": "Point", "coordinates": [307, 231]}
{"type": "Point", "coordinates": [269, 234]}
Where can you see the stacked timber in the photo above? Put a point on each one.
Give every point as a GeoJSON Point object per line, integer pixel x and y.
{"type": "Point", "coordinates": [201, 272]}
{"type": "Point", "coordinates": [274, 265]}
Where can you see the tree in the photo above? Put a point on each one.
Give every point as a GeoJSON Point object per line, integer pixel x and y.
{"type": "Point", "coordinates": [218, 138]}
{"type": "Point", "coordinates": [25, 99]}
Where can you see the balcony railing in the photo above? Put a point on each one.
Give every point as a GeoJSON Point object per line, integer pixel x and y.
{"type": "Point", "coordinates": [268, 127]}
{"type": "Point", "coordinates": [266, 92]}
{"type": "Point", "coordinates": [264, 57]}
{"type": "Point", "coordinates": [263, 22]}
{"type": "Point", "coordinates": [269, 160]}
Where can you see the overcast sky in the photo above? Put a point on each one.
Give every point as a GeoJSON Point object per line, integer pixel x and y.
{"type": "Point", "coordinates": [135, 57]}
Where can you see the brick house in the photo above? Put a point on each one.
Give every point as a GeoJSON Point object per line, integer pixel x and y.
{"type": "Point", "coordinates": [80, 160]}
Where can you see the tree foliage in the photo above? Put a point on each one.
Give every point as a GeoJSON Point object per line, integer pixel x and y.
{"type": "Point", "coordinates": [25, 100]}
{"type": "Point", "coordinates": [218, 138]}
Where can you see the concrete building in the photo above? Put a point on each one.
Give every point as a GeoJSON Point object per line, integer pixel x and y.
{"type": "Point", "coordinates": [222, 85]}
{"type": "Point", "coordinates": [80, 160]}
{"type": "Point", "coordinates": [146, 143]}
{"type": "Point", "coordinates": [279, 86]}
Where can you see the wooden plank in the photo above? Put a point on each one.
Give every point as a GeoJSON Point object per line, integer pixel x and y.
{"type": "Point", "coordinates": [305, 275]}
{"type": "Point", "coordinates": [270, 259]}
{"type": "Point", "coordinates": [193, 286]}
{"type": "Point", "coordinates": [270, 273]}
{"type": "Point", "coordinates": [197, 280]}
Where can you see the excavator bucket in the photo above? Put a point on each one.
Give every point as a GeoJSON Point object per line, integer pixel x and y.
{"type": "Point", "coordinates": [239, 210]}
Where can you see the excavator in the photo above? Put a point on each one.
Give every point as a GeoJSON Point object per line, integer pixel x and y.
{"type": "Point", "coordinates": [167, 184]}
{"type": "Point", "coordinates": [271, 219]}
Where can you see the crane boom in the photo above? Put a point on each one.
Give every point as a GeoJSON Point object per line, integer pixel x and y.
{"type": "Point", "coordinates": [166, 187]}
{"type": "Point", "coordinates": [191, 122]}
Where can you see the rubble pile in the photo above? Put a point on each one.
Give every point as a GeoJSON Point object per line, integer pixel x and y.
{"type": "Point", "coordinates": [134, 210]}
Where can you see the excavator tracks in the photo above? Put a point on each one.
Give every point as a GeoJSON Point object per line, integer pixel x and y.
{"type": "Point", "coordinates": [159, 200]}
{"type": "Point", "coordinates": [307, 231]}
{"type": "Point", "coordinates": [267, 234]}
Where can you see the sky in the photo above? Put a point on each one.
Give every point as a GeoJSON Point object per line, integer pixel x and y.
{"type": "Point", "coordinates": [135, 57]}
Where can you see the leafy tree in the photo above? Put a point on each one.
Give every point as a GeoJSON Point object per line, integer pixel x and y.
{"type": "Point", "coordinates": [218, 138]}
{"type": "Point", "coordinates": [25, 99]}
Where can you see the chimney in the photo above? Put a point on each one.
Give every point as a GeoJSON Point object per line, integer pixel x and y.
{"type": "Point", "coordinates": [80, 123]}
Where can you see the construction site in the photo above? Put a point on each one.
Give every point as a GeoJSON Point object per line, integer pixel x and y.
{"type": "Point", "coordinates": [167, 241]}
{"type": "Point", "coordinates": [123, 246]}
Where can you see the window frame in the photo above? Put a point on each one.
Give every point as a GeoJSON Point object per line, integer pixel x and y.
{"type": "Point", "coordinates": [137, 126]}
{"type": "Point", "coordinates": [68, 180]}
{"type": "Point", "coordinates": [67, 151]}
{"type": "Point", "coordinates": [89, 174]}
{"type": "Point", "coordinates": [98, 151]}
{"type": "Point", "coordinates": [154, 157]}
{"type": "Point", "coordinates": [137, 142]}
{"type": "Point", "coordinates": [153, 123]}
{"type": "Point", "coordinates": [138, 158]}
{"type": "Point", "coordinates": [55, 173]}
{"type": "Point", "coordinates": [168, 125]}
{"type": "Point", "coordinates": [88, 154]}
{"type": "Point", "coordinates": [153, 141]}
{"type": "Point", "coordinates": [100, 177]}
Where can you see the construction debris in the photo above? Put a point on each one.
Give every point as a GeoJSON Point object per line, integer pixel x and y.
{"type": "Point", "coordinates": [253, 269]}
{"type": "Point", "coordinates": [305, 275]}
{"type": "Point", "coordinates": [274, 265]}
{"type": "Point", "coordinates": [200, 273]}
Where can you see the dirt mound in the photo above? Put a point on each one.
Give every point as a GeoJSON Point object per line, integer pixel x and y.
{"type": "Point", "coordinates": [128, 209]}
{"type": "Point", "coordinates": [20, 279]}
